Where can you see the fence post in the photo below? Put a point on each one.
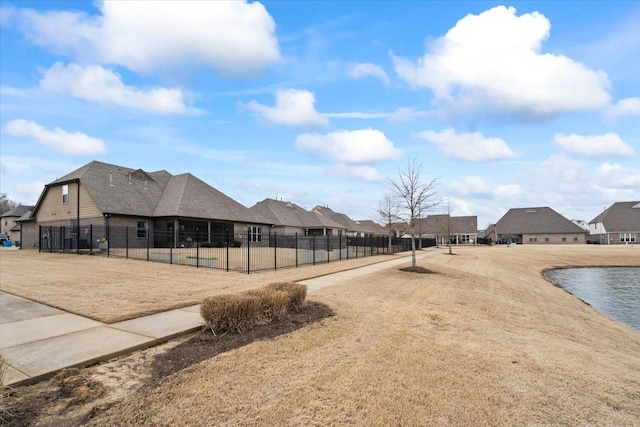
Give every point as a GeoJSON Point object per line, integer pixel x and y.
{"type": "Point", "coordinates": [296, 249]}
{"type": "Point", "coordinates": [227, 237]}
{"type": "Point", "coordinates": [126, 250]}
{"type": "Point", "coordinates": [147, 233]}
{"type": "Point", "coordinates": [90, 237]}
{"type": "Point", "coordinates": [275, 250]}
{"type": "Point", "coordinates": [39, 238]}
{"type": "Point", "coordinates": [313, 248]}
{"type": "Point", "coordinates": [50, 238]}
{"type": "Point", "coordinates": [248, 251]}
{"type": "Point", "coordinates": [197, 247]}
{"type": "Point", "coordinates": [108, 234]}
{"type": "Point", "coordinates": [78, 238]}
{"type": "Point", "coordinates": [171, 245]}
{"type": "Point", "coordinates": [340, 246]}
{"type": "Point", "coordinates": [328, 242]}
{"type": "Point", "coordinates": [346, 244]}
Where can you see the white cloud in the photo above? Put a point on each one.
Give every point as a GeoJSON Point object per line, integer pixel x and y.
{"type": "Point", "coordinates": [364, 172]}
{"type": "Point", "coordinates": [471, 147]}
{"type": "Point", "coordinates": [368, 69]}
{"type": "Point", "coordinates": [469, 185]}
{"type": "Point", "coordinates": [609, 144]}
{"type": "Point", "coordinates": [494, 59]}
{"type": "Point", "coordinates": [97, 84]}
{"type": "Point", "coordinates": [27, 192]}
{"type": "Point", "coordinates": [293, 107]}
{"type": "Point", "coordinates": [618, 176]}
{"type": "Point", "coordinates": [401, 114]}
{"type": "Point", "coordinates": [232, 37]}
{"type": "Point", "coordinates": [58, 139]}
{"type": "Point", "coordinates": [625, 107]}
{"type": "Point", "coordinates": [507, 190]}
{"type": "Point", "coordinates": [356, 146]}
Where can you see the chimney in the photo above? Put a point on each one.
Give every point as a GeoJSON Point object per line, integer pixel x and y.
{"type": "Point", "coordinates": [130, 178]}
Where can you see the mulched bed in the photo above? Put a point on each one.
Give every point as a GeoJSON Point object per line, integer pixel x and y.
{"type": "Point", "coordinates": [417, 269]}
{"type": "Point", "coordinates": [205, 345]}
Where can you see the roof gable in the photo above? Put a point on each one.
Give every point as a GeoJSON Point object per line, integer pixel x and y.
{"type": "Point", "coordinates": [620, 216]}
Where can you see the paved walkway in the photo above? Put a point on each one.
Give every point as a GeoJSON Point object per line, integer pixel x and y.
{"type": "Point", "coordinates": [37, 340]}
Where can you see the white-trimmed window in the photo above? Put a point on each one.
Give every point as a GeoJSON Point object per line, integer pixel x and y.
{"type": "Point", "coordinates": [65, 194]}
{"type": "Point", "coordinates": [564, 238]}
{"type": "Point", "coordinates": [628, 237]}
{"type": "Point", "coordinates": [546, 238]}
{"type": "Point", "coordinates": [533, 238]}
{"type": "Point", "coordinates": [575, 238]}
{"type": "Point", "coordinates": [255, 233]}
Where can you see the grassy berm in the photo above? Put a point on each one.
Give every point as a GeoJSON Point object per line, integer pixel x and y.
{"type": "Point", "coordinates": [481, 340]}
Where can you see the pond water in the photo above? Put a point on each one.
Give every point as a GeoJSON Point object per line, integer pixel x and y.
{"type": "Point", "coordinates": [614, 291]}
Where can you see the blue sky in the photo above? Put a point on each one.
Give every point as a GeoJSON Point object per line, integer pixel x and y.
{"type": "Point", "coordinates": [320, 103]}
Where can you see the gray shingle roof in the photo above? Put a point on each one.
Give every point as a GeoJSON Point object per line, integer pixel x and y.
{"type": "Point", "coordinates": [538, 220]}
{"type": "Point", "coordinates": [620, 217]}
{"type": "Point", "coordinates": [291, 215]}
{"type": "Point", "coordinates": [18, 211]}
{"type": "Point", "coordinates": [437, 224]}
{"type": "Point", "coordinates": [125, 191]}
{"type": "Point", "coordinates": [342, 219]}
{"type": "Point", "coordinates": [373, 227]}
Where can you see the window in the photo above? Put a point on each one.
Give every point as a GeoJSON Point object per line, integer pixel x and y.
{"type": "Point", "coordinates": [142, 228]}
{"type": "Point", "coordinates": [255, 233]}
{"type": "Point", "coordinates": [65, 194]}
{"type": "Point", "coordinates": [575, 238]}
{"type": "Point", "coordinates": [546, 238]}
{"type": "Point", "coordinates": [464, 238]}
{"type": "Point", "coordinates": [533, 238]}
{"type": "Point", "coordinates": [628, 237]}
{"type": "Point", "coordinates": [564, 238]}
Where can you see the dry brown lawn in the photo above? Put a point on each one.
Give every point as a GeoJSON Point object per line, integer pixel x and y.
{"type": "Point", "coordinates": [113, 289]}
{"type": "Point", "coordinates": [483, 341]}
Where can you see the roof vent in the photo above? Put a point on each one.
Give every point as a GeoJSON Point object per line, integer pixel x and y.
{"type": "Point", "coordinates": [636, 206]}
{"type": "Point", "coordinates": [530, 211]}
{"type": "Point", "coordinates": [289, 205]}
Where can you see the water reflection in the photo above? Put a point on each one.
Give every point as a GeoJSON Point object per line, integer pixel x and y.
{"type": "Point", "coordinates": [613, 290]}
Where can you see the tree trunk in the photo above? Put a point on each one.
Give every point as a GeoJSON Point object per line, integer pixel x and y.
{"type": "Point", "coordinates": [413, 251]}
{"type": "Point", "coordinates": [389, 245]}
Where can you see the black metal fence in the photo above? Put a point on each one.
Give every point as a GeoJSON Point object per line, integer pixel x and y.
{"type": "Point", "coordinates": [242, 252]}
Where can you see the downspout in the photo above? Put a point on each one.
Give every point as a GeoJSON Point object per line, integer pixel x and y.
{"type": "Point", "coordinates": [78, 219]}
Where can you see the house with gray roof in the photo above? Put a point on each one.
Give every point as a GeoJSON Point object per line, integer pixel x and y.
{"type": "Point", "coordinates": [353, 228]}
{"type": "Point", "coordinates": [537, 225]}
{"type": "Point", "coordinates": [289, 218]}
{"type": "Point", "coordinates": [618, 224]}
{"type": "Point", "coordinates": [445, 228]}
{"type": "Point", "coordinates": [10, 224]}
{"type": "Point", "coordinates": [177, 208]}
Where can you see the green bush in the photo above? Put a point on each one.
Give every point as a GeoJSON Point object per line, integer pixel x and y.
{"type": "Point", "coordinates": [246, 310]}
{"type": "Point", "coordinates": [220, 244]}
{"type": "Point", "coordinates": [236, 243]}
{"type": "Point", "coordinates": [206, 245]}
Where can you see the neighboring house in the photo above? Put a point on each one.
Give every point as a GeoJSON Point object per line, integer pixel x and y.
{"type": "Point", "coordinates": [537, 225]}
{"type": "Point", "coordinates": [353, 228]}
{"type": "Point", "coordinates": [375, 228]}
{"type": "Point", "coordinates": [10, 224]}
{"type": "Point", "coordinates": [289, 218]}
{"type": "Point", "coordinates": [445, 228]}
{"type": "Point", "coordinates": [580, 223]}
{"type": "Point", "coordinates": [181, 208]}
{"type": "Point", "coordinates": [618, 224]}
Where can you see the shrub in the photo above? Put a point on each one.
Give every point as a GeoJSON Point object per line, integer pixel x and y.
{"type": "Point", "coordinates": [296, 293]}
{"type": "Point", "coordinates": [236, 243]}
{"type": "Point", "coordinates": [220, 244]}
{"type": "Point", "coordinates": [206, 245]}
{"type": "Point", "coordinates": [241, 312]}
{"type": "Point", "coordinates": [3, 369]}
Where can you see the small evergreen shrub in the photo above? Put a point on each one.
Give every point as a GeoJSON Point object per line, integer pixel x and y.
{"type": "Point", "coordinates": [236, 243]}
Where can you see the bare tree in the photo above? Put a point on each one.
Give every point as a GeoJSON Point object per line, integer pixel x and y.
{"type": "Point", "coordinates": [447, 224]}
{"type": "Point", "coordinates": [414, 197]}
{"type": "Point", "coordinates": [6, 204]}
{"type": "Point", "coordinates": [388, 212]}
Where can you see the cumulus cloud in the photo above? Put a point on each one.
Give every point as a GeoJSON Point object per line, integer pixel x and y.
{"type": "Point", "coordinates": [28, 191]}
{"type": "Point", "coordinates": [506, 190]}
{"type": "Point", "coordinates": [293, 107]}
{"type": "Point", "coordinates": [57, 139]}
{"type": "Point", "coordinates": [232, 37]}
{"type": "Point", "coordinates": [618, 176]}
{"type": "Point", "coordinates": [494, 59]}
{"type": "Point", "coordinates": [470, 147]}
{"type": "Point", "coordinates": [98, 84]}
{"type": "Point", "coordinates": [469, 185]}
{"type": "Point", "coordinates": [356, 146]}
{"type": "Point", "coordinates": [609, 144]}
{"type": "Point", "coordinates": [368, 69]}
{"type": "Point", "coordinates": [366, 173]}
{"type": "Point", "coordinates": [625, 107]}
{"type": "Point", "coordinates": [401, 114]}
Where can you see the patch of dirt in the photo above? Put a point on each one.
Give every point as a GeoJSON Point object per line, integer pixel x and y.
{"type": "Point", "coordinates": [74, 396]}
{"type": "Point", "coordinates": [417, 269]}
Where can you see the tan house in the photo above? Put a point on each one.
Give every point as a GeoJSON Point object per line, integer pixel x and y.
{"type": "Point", "coordinates": [364, 228]}
{"type": "Point", "coordinates": [11, 225]}
{"type": "Point", "coordinates": [459, 230]}
{"type": "Point", "coordinates": [176, 209]}
{"type": "Point", "coordinates": [618, 224]}
{"type": "Point", "coordinates": [539, 225]}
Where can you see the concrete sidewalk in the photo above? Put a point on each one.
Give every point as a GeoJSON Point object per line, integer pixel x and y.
{"type": "Point", "coordinates": [37, 340]}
